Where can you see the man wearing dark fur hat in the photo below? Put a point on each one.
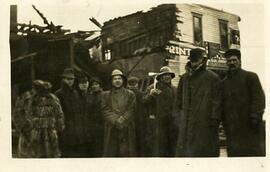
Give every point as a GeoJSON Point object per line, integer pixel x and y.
{"type": "Point", "coordinates": [198, 99]}
{"type": "Point", "coordinates": [82, 120]}
{"type": "Point", "coordinates": [39, 118]}
{"type": "Point", "coordinates": [243, 108]}
{"type": "Point", "coordinates": [159, 105]}
{"type": "Point", "coordinates": [96, 119]}
{"type": "Point", "coordinates": [118, 106]}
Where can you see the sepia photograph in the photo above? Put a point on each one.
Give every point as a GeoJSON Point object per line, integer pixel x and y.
{"type": "Point", "coordinates": [100, 81]}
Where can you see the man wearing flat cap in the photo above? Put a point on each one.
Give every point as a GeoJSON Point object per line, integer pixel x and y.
{"type": "Point", "coordinates": [198, 99]}
{"type": "Point", "coordinates": [243, 108]}
{"type": "Point", "coordinates": [159, 105]}
{"type": "Point", "coordinates": [69, 99]}
{"type": "Point", "coordinates": [118, 107]}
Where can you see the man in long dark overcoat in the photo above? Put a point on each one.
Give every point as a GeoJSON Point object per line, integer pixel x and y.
{"type": "Point", "coordinates": [96, 119]}
{"type": "Point", "coordinates": [71, 137]}
{"type": "Point", "coordinates": [159, 104]}
{"type": "Point", "coordinates": [117, 107]}
{"type": "Point", "coordinates": [244, 103]}
{"type": "Point", "coordinates": [83, 118]}
{"type": "Point", "coordinates": [133, 85]}
{"type": "Point", "coordinates": [198, 99]}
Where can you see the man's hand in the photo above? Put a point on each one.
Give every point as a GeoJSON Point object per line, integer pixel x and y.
{"type": "Point", "coordinates": [60, 128]}
{"type": "Point", "coordinates": [214, 123]}
{"type": "Point", "coordinates": [120, 122]}
{"type": "Point", "coordinates": [155, 92]}
{"type": "Point", "coordinates": [254, 122]}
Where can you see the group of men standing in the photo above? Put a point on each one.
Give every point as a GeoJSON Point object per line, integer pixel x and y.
{"type": "Point", "coordinates": [66, 124]}
{"type": "Point", "coordinates": [163, 121]}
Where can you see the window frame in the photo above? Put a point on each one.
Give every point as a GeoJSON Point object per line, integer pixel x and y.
{"type": "Point", "coordinates": [200, 16]}
{"type": "Point", "coordinates": [221, 21]}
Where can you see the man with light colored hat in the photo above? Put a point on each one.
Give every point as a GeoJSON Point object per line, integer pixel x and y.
{"type": "Point", "coordinates": [159, 103]}
{"type": "Point", "coordinates": [117, 107]}
{"type": "Point", "coordinates": [198, 98]}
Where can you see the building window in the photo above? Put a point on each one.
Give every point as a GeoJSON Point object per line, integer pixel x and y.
{"type": "Point", "coordinates": [235, 37]}
{"type": "Point", "coordinates": [223, 29]}
{"type": "Point", "coordinates": [197, 29]}
{"type": "Point", "coordinates": [108, 55]}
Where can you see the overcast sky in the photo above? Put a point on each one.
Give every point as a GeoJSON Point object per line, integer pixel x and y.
{"type": "Point", "coordinates": [74, 15]}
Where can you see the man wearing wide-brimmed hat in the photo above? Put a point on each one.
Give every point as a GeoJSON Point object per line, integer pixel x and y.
{"type": "Point", "coordinates": [244, 103]}
{"type": "Point", "coordinates": [118, 106]}
{"type": "Point", "coordinates": [198, 99]}
{"type": "Point", "coordinates": [69, 99]}
{"type": "Point", "coordinates": [159, 103]}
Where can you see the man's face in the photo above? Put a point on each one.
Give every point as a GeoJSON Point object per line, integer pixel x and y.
{"type": "Point", "coordinates": [68, 81]}
{"type": "Point", "coordinates": [233, 62]}
{"type": "Point", "coordinates": [133, 86]}
{"type": "Point", "coordinates": [95, 86]}
{"type": "Point", "coordinates": [117, 81]}
{"type": "Point", "coordinates": [166, 78]}
{"type": "Point", "coordinates": [196, 63]}
{"type": "Point", "coordinates": [84, 86]}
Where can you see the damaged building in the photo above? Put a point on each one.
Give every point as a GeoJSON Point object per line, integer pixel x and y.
{"type": "Point", "coordinates": [138, 43]}
{"type": "Point", "coordinates": [42, 52]}
{"type": "Point", "coordinates": [142, 42]}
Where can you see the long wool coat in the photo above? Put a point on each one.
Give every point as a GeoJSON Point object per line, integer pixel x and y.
{"type": "Point", "coordinates": [160, 133]}
{"type": "Point", "coordinates": [244, 99]}
{"type": "Point", "coordinates": [96, 125]}
{"type": "Point", "coordinates": [72, 135]}
{"type": "Point", "coordinates": [83, 123]}
{"type": "Point", "coordinates": [119, 142]}
{"type": "Point", "coordinates": [39, 119]}
{"type": "Point", "coordinates": [199, 103]}
{"type": "Point", "coordinates": [139, 122]}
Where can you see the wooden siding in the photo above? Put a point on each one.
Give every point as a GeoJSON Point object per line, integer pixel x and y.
{"type": "Point", "coordinates": [210, 22]}
{"type": "Point", "coordinates": [166, 26]}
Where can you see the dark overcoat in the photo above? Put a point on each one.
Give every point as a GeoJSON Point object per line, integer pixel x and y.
{"type": "Point", "coordinates": [72, 135]}
{"type": "Point", "coordinates": [160, 131]}
{"type": "Point", "coordinates": [198, 99]}
{"type": "Point", "coordinates": [243, 99]}
{"type": "Point", "coordinates": [83, 123]}
{"type": "Point", "coordinates": [96, 125]}
{"type": "Point", "coordinates": [139, 122]}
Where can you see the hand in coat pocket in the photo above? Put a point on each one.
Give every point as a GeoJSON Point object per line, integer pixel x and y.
{"type": "Point", "coordinates": [214, 123]}
{"type": "Point", "coordinates": [254, 122]}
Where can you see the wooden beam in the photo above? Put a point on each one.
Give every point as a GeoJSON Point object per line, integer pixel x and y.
{"type": "Point", "coordinates": [24, 57]}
